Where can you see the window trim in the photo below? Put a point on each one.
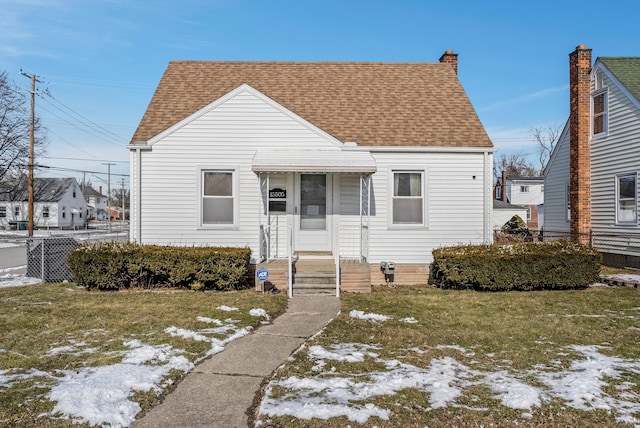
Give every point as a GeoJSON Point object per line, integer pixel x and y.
{"type": "Point", "coordinates": [201, 170]}
{"type": "Point", "coordinates": [605, 113]}
{"type": "Point", "coordinates": [634, 221]}
{"type": "Point", "coordinates": [391, 197]}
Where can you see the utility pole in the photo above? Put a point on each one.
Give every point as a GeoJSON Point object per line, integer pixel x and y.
{"type": "Point", "coordinates": [31, 151]}
{"type": "Point", "coordinates": [122, 196]}
{"type": "Point", "coordinates": [109, 191]}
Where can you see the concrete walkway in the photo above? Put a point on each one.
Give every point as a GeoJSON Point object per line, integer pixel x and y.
{"type": "Point", "coordinates": [220, 391]}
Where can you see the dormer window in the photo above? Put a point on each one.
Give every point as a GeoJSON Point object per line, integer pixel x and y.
{"type": "Point", "coordinates": [600, 113]}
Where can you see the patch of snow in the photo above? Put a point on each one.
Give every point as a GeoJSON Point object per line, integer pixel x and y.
{"type": "Point", "coordinates": [209, 320]}
{"type": "Point", "coordinates": [259, 312]}
{"type": "Point", "coordinates": [512, 392]}
{"type": "Point", "coordinates": [226, 308]}
{"type": "Point", "coordinates": [16, 280]}
{"type": "Point", "coordinates": [409, 320]}
{"type": "Point", "coordinates": [368, 317]}
{"type": "Point", "coordinates": [454, 347]}
{"type": "Point", "coordinates": [8, 245]}
{"type": "Point", "coordinates": [102, 395]}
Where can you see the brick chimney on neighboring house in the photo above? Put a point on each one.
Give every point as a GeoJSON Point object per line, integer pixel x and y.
{"type": "Point", "coordinates": [503, 195]}
{"type": "Point", "coordinates": [450, 58]}
{"type": "Point", "coordinates": [580, 133]}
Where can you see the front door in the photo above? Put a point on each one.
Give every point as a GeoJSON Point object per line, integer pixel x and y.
{"type": "Point", "coordinates": [313, 211]}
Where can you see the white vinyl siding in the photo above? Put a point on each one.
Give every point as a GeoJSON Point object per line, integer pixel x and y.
{"type": "Point", "coordinates": [556, 184]}
{"type": "Point", "coordinates": [226, 136]}
{"type": "Point", "coordinates": [615, 154]}
{"type": "Point", "coordinates": [454, 198]}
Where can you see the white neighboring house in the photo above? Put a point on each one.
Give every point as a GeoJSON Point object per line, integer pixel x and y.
{"type": "Point", "coordinates": [504, 211]}
{"type": "Point", "coordinates": [58, 203]}
{"type": "Point", "coordinates": [592, 175]}
{"type": "Point", "coordinates": [365, 161]}
{"type": "Point", "coordinates": [527, 192]}
{"type": "Point", "coordinates": [97, 206]}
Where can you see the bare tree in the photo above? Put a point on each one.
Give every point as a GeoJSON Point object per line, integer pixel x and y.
{"type": "Point", "coordinates": [546, 138]}
{"type": "Point", "coordinates": [15, 122]}
{"type": "Point", "coordinates": [515, 165]}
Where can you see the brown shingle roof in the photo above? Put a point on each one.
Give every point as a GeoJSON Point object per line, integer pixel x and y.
{"type": "Point", "coordinates": [372, 104]}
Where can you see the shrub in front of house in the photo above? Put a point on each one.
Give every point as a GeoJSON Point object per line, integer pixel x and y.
{"type": "Point", "coordinates": [519, 266]}
{"type": "Point", "coordinates": [124, 265]}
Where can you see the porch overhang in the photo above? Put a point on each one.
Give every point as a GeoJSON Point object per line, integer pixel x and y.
{"type": "Point", "coordinates": [313, 161]}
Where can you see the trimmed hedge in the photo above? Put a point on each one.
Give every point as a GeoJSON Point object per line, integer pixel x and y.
{"type": "Point", "coordinates": [519, 266]}
{"type": "Point", "coordinates": [123, 265]}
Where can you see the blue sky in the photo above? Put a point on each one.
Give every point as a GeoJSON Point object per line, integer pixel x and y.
{"type": "Point", "coordinates": [102, 59]}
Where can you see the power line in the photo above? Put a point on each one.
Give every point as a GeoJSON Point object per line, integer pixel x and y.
{"type": "Point", "coordinates": [102, 130]}
{"type": "Point", "coordinates": [87, 160]}
{"type": "Point", "coordinates": [58, 168]}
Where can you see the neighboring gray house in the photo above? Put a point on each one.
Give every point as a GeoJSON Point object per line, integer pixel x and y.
{"type": "Point", "coordinates": [58, 203]}
{"type": "Point", "coordinates": [591, 179]}
{"type": "Point", "coordinates": [365, 161]}
{"type": "Point", "coordinates": [97, 205]}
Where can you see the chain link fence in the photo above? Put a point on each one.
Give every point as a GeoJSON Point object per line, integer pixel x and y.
{"type": "Point", "coordinates": [618, 249]}
{"type": "Point", "coordinates": [45, 257]}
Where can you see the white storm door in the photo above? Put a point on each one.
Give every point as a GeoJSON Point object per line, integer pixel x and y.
{"type": "Point", "coordinates": [313, 209]}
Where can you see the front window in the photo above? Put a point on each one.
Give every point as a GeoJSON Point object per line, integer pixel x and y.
{"type": "Point", "coordinates": [600, 113]}
{"type": "Point", "coordinates": [524, 189]}
{"type": "Point", "coordinates": [408, 198]}
{"type": "Point", "coordinates": [627, 198]}
{"type": "Point", "coordinates": [528, 213]}
{"type": "Point", "coordinates": [45, 212]}
{"type": "Point", "coordinates": [3, 212]}
{"type": "Point", "coordinates": [16, 211]}
{"type": "Point", "coordinates": [64, 212]}
{"type": "Point", "coordinates": [217, 197]}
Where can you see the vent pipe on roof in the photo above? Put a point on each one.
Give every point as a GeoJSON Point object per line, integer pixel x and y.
{"type": "Point", "coordinates": [450, 58]}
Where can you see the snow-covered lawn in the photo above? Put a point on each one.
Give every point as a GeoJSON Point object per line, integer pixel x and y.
{"type": "Point", "coordinates": [102, 395]}
{"type": "Point", "coordinates": [326, 393]}
{"type": "Point", "coordinates": [342, 384]}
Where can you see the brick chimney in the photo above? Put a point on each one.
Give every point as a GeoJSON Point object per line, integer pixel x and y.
{"type": "Point", "coordinates": [580, 133]}
{"type": "Point", "coordinates": [504, 186]}
{"type": "Point", "coordinates": [450, 58]}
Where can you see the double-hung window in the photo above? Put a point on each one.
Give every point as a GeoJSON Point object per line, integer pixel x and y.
{"type": "Point", "coordinates": [408, 198]}
{"type": "Point", "coordinates": [3, 212]}
{"type": "Point", "coordinates": [45, 211]}
{"type": "Point", "coordinates": [600, 113]}
{"type": "Point", "coordinates": [627, 198]}
{"type": "Point", "coordinates": [218, 205]}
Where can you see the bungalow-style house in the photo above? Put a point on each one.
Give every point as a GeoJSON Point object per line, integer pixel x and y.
{"type": "Point", "coordinates": [527, 192]}
{"type": "Point", "coordinates": [58, 203]}
{"type": "Point", "coordinates": [97, 206]}
{"type": "Point", "coordinates": [366, 162]}
{"type": "Point", "coordinates": [591, 179]}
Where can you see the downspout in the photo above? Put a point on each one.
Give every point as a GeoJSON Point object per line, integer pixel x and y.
{"type": "Point", "coordinates": [488, 201]}
{"type": "Point", "coordinates": [136, 229]}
